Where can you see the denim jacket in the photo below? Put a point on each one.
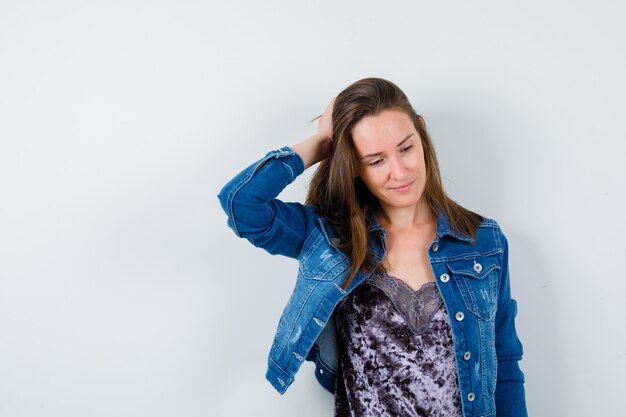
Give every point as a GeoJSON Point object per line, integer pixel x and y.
{"type": "Point", "coordinates": [472, 276]}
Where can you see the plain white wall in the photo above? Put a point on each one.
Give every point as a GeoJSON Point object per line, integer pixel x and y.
{"type": "Point", "coordinates": [123, 292]}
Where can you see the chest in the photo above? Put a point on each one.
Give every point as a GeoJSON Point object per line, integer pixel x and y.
{"type": "Point", "coordinates": [407, 258]}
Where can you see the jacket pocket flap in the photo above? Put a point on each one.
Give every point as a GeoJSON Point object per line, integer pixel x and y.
{"type": "Point", "coordinates": [476, 268]}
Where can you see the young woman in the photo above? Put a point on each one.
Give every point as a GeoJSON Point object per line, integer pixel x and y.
{"type": "Point", "coordinates": [402, 298]}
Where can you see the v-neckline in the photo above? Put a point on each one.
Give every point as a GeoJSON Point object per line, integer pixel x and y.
{"type": "Point", "coordinates": [403, 282]}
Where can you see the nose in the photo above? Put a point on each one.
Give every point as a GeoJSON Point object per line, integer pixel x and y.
{"type": "Point", "coordinates": [396, 169]}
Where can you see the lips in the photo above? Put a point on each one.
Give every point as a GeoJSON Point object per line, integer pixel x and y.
{"type": "Point", "coordinates": [403, 187]}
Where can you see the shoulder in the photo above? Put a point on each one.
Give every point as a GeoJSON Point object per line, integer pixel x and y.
{"type": "Point", "coordinates": [490, 233]}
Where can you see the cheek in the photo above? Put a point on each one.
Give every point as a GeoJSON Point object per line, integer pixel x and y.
{"type": "Point", "coordinates": [418, 164]}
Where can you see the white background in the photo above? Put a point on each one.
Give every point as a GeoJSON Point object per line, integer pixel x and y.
{"type": "Point", "coordinates": [123, 292]}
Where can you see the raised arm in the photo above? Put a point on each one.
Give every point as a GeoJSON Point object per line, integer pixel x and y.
{"type": "Point", "coordinates": [249, 199]}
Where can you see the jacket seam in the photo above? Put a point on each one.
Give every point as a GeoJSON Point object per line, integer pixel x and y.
{"type": "Point", "coordinates": [466, 256]}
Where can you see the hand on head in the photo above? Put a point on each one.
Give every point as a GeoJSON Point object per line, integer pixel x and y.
{"type": "Point", "coordinates": [325, 123]}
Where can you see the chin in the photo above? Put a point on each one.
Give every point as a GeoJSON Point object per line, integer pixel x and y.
{"type": "Point", "coordinates": [409, 201]}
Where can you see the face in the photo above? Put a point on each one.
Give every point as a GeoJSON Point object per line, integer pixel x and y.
{"type": "Point", "coordinates": [390, 158]}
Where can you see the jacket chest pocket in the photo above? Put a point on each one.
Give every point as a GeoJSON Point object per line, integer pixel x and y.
{"type": "Point", "coordinates": [477, 279]}
{"type": "Point", "coordinates": [321, 262]}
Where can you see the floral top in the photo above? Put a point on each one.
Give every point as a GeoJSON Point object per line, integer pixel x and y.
{"type": "Point", "coordinates": [396, 352]}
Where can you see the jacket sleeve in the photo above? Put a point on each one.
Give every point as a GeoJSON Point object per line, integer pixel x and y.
{"type": "Point", "coordinates": [510, 393]}
{"type": "Point", "coordinates": [254, 212]}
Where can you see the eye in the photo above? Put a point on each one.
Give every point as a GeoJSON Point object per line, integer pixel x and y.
{"type": "Point", "coordinates": [406, 149]}
{"type": "Point", "coordinates": [374, 163]}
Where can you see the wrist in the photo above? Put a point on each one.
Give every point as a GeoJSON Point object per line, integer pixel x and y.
{"type": "Point", "coordinates": [319, 138]}
{"type": "Point", "coordinates": [313, 149]}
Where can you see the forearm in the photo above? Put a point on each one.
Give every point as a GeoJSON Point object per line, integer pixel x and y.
{"type": "Point", "coordinates": [511, 399]}
{"type": "Point", "coordinates": [312, 150]}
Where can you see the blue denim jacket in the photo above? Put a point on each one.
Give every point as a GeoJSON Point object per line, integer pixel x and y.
{"type": "Point", "coordinates": [472, 277]}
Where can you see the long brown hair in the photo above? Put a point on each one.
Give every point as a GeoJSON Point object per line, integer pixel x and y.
{"type": "Point", "coordinates": [341, 196]}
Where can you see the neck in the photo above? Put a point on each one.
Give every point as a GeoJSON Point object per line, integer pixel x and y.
{"type": "Point", "coordinates": [413, 217]}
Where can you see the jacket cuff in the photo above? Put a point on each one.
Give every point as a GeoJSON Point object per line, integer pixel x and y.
{"type": "Point", "coordinates": [287, 156]}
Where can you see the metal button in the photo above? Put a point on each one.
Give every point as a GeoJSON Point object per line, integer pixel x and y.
{"type": "Point", "coordinates": [459, 316]}
{"type": "Point", "coordinates": [435, 247]}
{"type": "Point", "coordinates": [444, 277]}
{"type": "Point", "coordinates": [477, 267]}
{"type": "Point", "coordinates": [471, 396]}
{"type": "Point", "coordinates": [321, 371]}
{"type": "Point", "coordinates": [467, 355]}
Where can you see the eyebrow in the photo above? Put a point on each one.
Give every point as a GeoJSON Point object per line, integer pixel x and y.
{"type": "Point", "coordinates": [398, 145]}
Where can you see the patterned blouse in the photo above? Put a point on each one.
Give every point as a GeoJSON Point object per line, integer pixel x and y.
{"type": "Point", "coordinates": [396, 352]}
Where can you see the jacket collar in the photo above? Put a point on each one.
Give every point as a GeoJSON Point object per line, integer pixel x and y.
{"type": "Point", "coordinates": [443, 228]}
